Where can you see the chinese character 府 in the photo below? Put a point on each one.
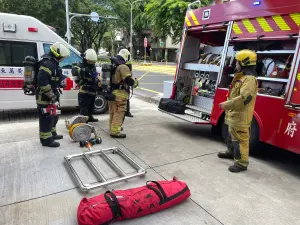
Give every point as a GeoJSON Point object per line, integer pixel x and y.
{"type": "Point", "coordinates": [291, 128]}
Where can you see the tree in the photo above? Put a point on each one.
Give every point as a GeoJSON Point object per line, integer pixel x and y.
{"type": "Point", "coordinates": [121, 9]}
{"type": "Point", "coordinates": [167, 17]}
{"type": "Point", "coordinates": [87, 34]}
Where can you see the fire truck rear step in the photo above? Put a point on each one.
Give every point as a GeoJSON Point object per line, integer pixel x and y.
{"type": "Point", "coordinates": [187, 117]}
{"type": "Point", "coordinates": [197, 108]}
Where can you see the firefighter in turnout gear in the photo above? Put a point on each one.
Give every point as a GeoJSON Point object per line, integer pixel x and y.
{"type": "Point", "coordinates": [122, 80]}
{"type": "Point", "coordinates": [129, 64]}
{"type": "Point", "coordinates": [49, 79]}
{"type": "Point", "coordinates": [239, 109]}
{"type": "Point", "coordinates": [86, 77]}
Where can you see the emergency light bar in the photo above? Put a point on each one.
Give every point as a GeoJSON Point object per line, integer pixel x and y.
{"type": "Point", "coordinates": [9, 27]}
{"type": "Point", "coordinates": [256, 3]}
{"type": "Point", "coordinates": [32, 29]}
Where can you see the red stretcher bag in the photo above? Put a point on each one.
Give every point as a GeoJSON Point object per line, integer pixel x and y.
{"type": "Point", "coordinates": [131, 203]}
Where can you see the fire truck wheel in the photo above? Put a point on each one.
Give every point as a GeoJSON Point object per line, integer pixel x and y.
{"type": "Point", "coordinates": [101, 105]}
{"type": "Point", "coordinates": [254, 135]}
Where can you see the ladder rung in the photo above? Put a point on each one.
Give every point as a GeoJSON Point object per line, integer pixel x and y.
{"type": "Point", "coordinates": [96, 170]}
{"type": "Point", "coordinates": [128, 159]}
{"type": "Point", "coordinates": [114, 165]}
{"type": "Point", "coordinates": [104, 153]}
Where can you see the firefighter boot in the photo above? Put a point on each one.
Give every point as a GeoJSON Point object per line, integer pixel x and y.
{"type": "Point", "coordinates": [236, 169]}
{"type": "Point", "coordinates": [57, 136]}
{"type": "Point", "coordinates": [128, 114]}
{"type": "Point", "coordinates": [53, 144]}
{"type": "Point", "coordinates": [229, 154]}
{"type": "Point", "coordinates": [92, 119]}
{"type": "Point", "coordinates": [118, 135]}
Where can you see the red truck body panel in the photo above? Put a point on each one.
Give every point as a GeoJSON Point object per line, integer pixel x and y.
{"type": "Point", "coordinates": [279, 125]}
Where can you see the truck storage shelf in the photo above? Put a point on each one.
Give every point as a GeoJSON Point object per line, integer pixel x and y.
{"type": "Point", "coordinates": [270, 79]}
{"type": "Point", "coordinates": [188, 118]}
{"type": "Point", "coordinates": [276, 52]}
{"type": "Point", "coordinates": [258, 94]}
{"type": "Point", "coordinates": [201, 67]}
{"type": "Point", "coordinates": [273, 79]}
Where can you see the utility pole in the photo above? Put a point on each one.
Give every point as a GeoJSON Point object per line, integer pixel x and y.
{"type": "Point", "coordinates": [68, 22]}
{"type": "Point", "coordinates": [131, 29]}
{"type": "Point", "coordinates": [94, 16]}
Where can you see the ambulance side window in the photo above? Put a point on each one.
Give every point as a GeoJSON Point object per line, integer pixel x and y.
{"type": "Point", "coordinates": [66, 63]}
{"type": "Point", "coordinates": [5, 55]}
{"type": "Point", "coordinates": [12, 53]}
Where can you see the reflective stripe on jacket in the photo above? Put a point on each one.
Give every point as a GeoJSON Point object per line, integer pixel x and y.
{"type": "Point", "coordinates": [48, 81]}
{"type": "Point", "coordinates": [122, 72]}
{"type": "Point", "coordinates": [87, 83]}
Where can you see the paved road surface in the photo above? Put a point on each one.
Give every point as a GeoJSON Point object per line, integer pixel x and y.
{"type": "Point", "coordinates": [151, 78]}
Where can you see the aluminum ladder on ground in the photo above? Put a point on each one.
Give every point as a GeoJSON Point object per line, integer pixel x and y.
{"type": "Point", "coordinates": [104, 153]}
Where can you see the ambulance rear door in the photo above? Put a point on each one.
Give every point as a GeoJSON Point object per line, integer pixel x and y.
{"type": "Point", "coordinates": [12, 54]}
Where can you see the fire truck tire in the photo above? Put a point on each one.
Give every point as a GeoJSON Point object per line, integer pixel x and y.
{"type": "Point", "coordinates": [101, 105]}
{"type": "Point", "coordinates": [254, 135]}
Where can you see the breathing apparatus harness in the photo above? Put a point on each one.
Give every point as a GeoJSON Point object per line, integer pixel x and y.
{"type": "Point", "coordinates": [109, 87]}
{"type": "Point", "coordinates": [31, 69]}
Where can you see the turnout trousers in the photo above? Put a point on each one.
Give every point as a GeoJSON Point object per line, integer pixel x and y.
{"type": "Point", "coordinates": [86, 104]}
{"type": "Point", "coordinates": [117, 111]}
{"type": "Point", "coordinates": [47, 127]}
{"type": "Point", "coordinates": [238, 146]}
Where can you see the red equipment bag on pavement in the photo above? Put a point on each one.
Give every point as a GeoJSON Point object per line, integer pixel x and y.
{"type": "Point", "coordinates": [131, 203]}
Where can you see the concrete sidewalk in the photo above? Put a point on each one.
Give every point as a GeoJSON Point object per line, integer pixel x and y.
{"type": "Point", "coordinates": [36, 187]}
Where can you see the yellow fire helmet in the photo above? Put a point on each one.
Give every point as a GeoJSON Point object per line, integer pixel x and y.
{"type": "Point", "coordinates": [246, 57]}
{"type": "Point", "coordinates": [125, 54]}
{"type": "Point", "coordinates": [60, 50]}
{"type": "Point", "coordinates": [91, 56]}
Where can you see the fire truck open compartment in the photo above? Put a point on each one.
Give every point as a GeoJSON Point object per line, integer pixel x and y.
{"type": "Point", "coordinates": [207, 63]}
{"type": "Point", "coordinates": [273, 66]}
{"type": "Point", "coordinates": [198, 70]}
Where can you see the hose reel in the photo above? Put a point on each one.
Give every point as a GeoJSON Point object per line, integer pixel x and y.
{"type": "Point", "coordinates": [79, 130]}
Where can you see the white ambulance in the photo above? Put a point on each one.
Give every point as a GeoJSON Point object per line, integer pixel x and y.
{"type": "Point", "coordinates": [21, 36]}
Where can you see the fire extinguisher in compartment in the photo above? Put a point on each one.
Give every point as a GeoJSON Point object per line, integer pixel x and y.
{"type": "Point", "coordinates": [30, 74]}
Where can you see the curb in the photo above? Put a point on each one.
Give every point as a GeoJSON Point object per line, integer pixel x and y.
{"type": "Point", "coordinates": [149, 99]}
{"type": "Point", "coordinates": [146, 64]}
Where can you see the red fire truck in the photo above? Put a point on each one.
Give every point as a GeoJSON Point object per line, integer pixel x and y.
{"type": "Point", "coordinates": [210, 39]}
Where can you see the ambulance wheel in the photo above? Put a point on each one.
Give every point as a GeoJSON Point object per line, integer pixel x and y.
{"type": "Point", "coordinates": [254, 135]}
{"type": "Point", "coordinates": [101, 105]}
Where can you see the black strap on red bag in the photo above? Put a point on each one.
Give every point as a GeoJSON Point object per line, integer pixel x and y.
{"type": "Point", "coordinates": [114, 205]}
{"type": "Point", "coordinates": [160, 192]}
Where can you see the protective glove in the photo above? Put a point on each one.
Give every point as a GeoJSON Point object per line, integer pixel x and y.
{"type": "Point", "coordinates": [94, 74]}
{"type": "Point", "coordinates": [136, 83]}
